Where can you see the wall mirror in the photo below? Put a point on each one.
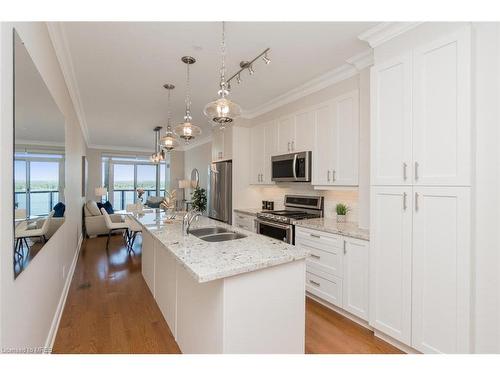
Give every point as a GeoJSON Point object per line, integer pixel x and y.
{"type": "Point", "coordinates": [195, 178]}
{"type": "Point", "coordinates": [39, 155]}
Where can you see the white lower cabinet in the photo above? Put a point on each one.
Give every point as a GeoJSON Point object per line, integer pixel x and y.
{"type": "Point", "coordinates": [337, 269]}
{"type": "Point", "coordinates": [166, 285]}
{"type": "Point", "coordinates": [441, 270]}
{"type": "Point", "coordinates": [390, 261]}
{"type": "Point", "coordinates": [148, 261]}
{"type": "Point", "coordinates": [420, 266]}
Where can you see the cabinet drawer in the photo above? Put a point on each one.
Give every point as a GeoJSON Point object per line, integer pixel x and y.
{"type": "Point", "coordinates": [318, 236]}
{"type": "Point", "coordinates": [326, 254]}
{"type": "Point", "coordinates": [328, 289]}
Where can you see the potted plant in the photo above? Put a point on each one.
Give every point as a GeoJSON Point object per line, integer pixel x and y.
{"type": "Point", "coordinates": [199, 200]}
{"type": "Point", "coordinates": [342, 210]}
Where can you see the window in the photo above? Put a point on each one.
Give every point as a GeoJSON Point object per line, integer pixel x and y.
{"type": "Point", "coordinates": [38, 180]}
{"type": "Point", "coordinates": [124, 175]}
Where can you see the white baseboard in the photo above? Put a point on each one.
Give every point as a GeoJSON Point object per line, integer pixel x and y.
{"type": "Point", "coordinates": [49, 342]}
{"type": "Point", "coordinates": [405, 348]}
{"type": "Point", "coordinates": [340, 311]}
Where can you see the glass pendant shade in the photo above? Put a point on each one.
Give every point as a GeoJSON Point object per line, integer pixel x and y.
{"type": "Point", "coordinates": [187, 131]}
{"type": "Point", "coordinates": [222, 111]}
{"type": "Point", "coordinates": [169, 141]}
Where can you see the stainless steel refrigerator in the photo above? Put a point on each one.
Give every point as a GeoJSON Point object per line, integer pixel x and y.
{"type": "Point", "coordinates": [220, 189]}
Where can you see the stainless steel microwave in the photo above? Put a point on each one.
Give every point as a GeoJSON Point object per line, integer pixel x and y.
{"type": "Point", "coordinates": [295, 167]}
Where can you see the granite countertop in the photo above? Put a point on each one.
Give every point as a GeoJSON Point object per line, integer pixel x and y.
{"type": "Point", "coordinates": [248, 211]}
{"type": "Point", "coordinates": [330, 225]}
{"type": "Point", "coordinates": [207, 261]}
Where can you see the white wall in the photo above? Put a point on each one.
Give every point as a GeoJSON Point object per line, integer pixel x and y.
{"type": "Point", "coordinates": [28, 305]}
{"type": "Point", "coordinates": [198, 157]}
{"type": "Point", "coordinates": [356, 198]}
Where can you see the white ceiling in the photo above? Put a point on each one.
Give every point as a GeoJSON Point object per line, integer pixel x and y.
{"type": "Point", "coordinates": [120, 68]}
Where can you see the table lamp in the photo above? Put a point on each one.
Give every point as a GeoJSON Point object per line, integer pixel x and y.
{"type": "Point", "coordinates": [101, 192]}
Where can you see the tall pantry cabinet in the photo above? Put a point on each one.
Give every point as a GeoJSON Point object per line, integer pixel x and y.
{"type": "Point", "coordinates": [420, 195]}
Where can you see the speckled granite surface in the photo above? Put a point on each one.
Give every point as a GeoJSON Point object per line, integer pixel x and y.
{"type": "Point", "coordinates": [248, 211]}
{"type": "Point", "coordinates": [330, 225]}
{"type": "Point", "coordinates": [207, 261]}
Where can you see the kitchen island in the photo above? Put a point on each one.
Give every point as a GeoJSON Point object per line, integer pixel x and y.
{"type": "Point", "coordinates": [244, 295]}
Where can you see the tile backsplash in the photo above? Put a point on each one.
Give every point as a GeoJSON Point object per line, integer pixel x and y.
{"type": "Point", "coordinates": [331, 197]}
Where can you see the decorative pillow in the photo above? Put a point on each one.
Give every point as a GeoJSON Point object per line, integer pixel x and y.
{"type": "Point", "coordinates": [93, 209]}
{"type": "Point", "coordinates": [59, 209]}
{"type": "Point", "coordinates": [108, 207]}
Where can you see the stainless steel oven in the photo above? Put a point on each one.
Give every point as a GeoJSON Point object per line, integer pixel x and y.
{"type": "Point", "coordinates": [279, 231]}
{"type": "Point", "coordinates": [295, 167]}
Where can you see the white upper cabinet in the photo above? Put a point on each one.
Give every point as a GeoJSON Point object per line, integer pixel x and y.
{"type": "Point", "coordinates": [441, 269]}
{"type": "Point", "coordinates": [421, 122]}
{"type": "Point", "coordinates": [257, 157]}
{"type": "Point", "coordinates": [441, 111]}
{"type": "Point", "coordinates": [304, 131]}
{"type": "Point", "coordinates": [323, 158]}
{"type": "Point", "coordinates": [263, 143]}
{"type": "Point", "coordinates": [286, 135]}
{"type": "Point", "coordinates": [336, 151]}
{"type": "Point", "coordinates": [391, 122]}
{"type": "Point", "coordinates": [391, 261]}
{"type": "Point", "coordinates": [346, 142]}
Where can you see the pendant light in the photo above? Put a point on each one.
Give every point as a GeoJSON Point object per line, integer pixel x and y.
{"type": "Point", "coordinates": [169, 140]}
{"type": "Point", "coordinates": [187, 130]}
{"type": "Point", "coordinates": [222, 111]}
{"type": "Point", "coordinates": [159, 154]}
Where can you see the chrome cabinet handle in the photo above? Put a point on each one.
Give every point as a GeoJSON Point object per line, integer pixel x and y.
{"type": "Point", "coordinates": [404, 201]}
{"type": "Point", "coordinates": [416, 170]}
{"type": "Point", "coordinates": [314, 283]}
{"type": "Point", "coordinates": [293, 145]}
{"type": "Point", "coordinates": [404, 172]}
{"type": "Point", "coordinates": [328, 175]}
{"type": "Point", "coordinates": [314, 235]}
{"type": "Point", "coordinates": [345, 251]}
{"type": "Point", "coordinates": [333, 175]}
{"type": "Point", "coordinates": [416, 201]}
{"type": "Point", "coordinates": [315, 256]}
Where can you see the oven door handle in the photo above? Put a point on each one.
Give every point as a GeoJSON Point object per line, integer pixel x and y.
{"type": "Point", "coordinates": [271, 224]}
{"type": "Point", "coordinates": [294, 166]}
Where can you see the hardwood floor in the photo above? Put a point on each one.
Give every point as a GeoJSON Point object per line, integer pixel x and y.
{"type": "Point", "coordinates": [110, 309]}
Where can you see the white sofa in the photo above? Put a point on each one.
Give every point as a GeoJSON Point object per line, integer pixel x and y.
{"type": "Point", "coordinates": [94, 220]}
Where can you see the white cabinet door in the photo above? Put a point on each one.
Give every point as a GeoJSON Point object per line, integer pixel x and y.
{"type": "Point", "coordinates": [323, 156]}
{"type": "Point", "coordinates": [391, 144]}
{"type": "Point", "coordinates": [390, 261]}
{"type": "Point", "coordinates": [270, 149]}
{"type": "Point", "coordinates": [148, 260]}
{"type": "Point", "coordinates": [217, 144]}
{"type": "Point", "coordinates": [257, 144]}
{"type": "Point", "coordinates": [227, 143]}
{"type": "Point", "coordinates": [304, 131]}
{"type": "Point", "coordinates": [346, 139]}
{"type": "Point", "coordinates": [166, 285]}
{"type": "Point", "coordinates": [441, 111]}
{"type": "Point", "coordinates": [355, 283]}
{"type": "Point", "coordinates": [286, 135]}
{"type": "Point", "coordinates": [441, 269]}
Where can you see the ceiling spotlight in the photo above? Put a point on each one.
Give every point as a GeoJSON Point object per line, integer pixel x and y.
{"type": "Point", "coordinates": [250, 70]}
{"type": "Point", "coordinates": [238, 78]}
{"type": "Point", "coordinates": [266, 59]}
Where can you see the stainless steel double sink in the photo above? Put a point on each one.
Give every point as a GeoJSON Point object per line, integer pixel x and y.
{"type": "Point", "coordinates": [215, 234]}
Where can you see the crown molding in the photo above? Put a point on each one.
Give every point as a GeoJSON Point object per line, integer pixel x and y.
{"type": "Point", "coordinates": [27, 142]}
{"type": "Point", "coordinates": [336, 75]}
{"type": "Point", "coordinates": [362, 60]}
{"type": "Point", "coordinates": [385, 31]}
{"type": "Point", "coordinates": [60, 43]}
